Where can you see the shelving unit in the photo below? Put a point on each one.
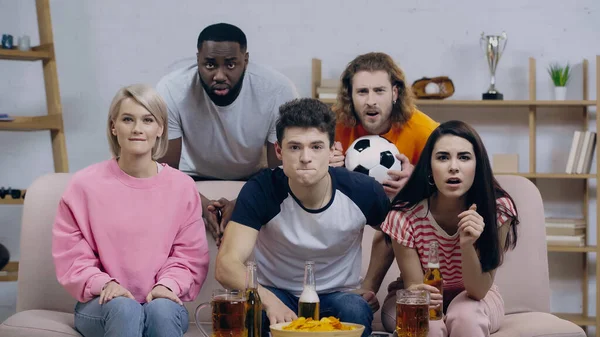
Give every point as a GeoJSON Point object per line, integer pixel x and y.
{"type": "Point", "coordinates": [38, 53]}
{"type": "Point", "coordinates": [9, 200]}
{"type": "Point", "coordinates": [517, 103]}
{"type": "Point", "coordinates": [531, 105]}
{"type": "Point", "coordinates": [9, 273]}
{"type": "Point", "coordinates": [53, 121]}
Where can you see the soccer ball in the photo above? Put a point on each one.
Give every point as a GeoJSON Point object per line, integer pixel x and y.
{"type": "Point", "coordinates": [373, 155]}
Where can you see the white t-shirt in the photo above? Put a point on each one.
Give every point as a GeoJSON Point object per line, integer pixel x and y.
{"type": "Point", "coordinates": [289, 234]}
{"type": "Point", "coordinates": [224, 142]}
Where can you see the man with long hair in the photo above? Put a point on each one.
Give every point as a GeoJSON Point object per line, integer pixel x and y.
{"type": "Point", "coordinates": [374, 99]}
{"type": "Point", "coordinates": [222, 113]}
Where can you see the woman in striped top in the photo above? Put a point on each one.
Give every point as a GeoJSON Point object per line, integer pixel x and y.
{"type": "Point", "coordinates": [453, 198]}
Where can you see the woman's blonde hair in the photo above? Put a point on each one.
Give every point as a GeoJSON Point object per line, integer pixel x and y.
{"type": "Point", "coordinates": [402, 110]}
{"type": "Point", "coordinates": [151, 100]}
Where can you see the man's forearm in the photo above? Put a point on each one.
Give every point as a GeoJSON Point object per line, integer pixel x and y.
{"type": "Point", "coordinates": [231, 274]}
{"type": "Point", "coordinates": [382, 257]}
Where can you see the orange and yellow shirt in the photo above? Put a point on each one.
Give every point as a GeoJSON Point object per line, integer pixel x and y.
{"type": "Point", "coordinates": [409, 138]}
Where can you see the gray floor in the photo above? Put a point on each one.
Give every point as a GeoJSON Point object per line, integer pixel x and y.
{"type": "Point", "coordinates": [8, 299]}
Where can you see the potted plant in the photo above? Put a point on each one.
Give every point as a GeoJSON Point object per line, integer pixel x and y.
{"type": "Point", "coordinates": [560, 76]}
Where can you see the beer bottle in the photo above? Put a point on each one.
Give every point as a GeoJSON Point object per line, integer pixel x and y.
{"type": "Point", "coordinates": [308, 304]}
{"type": "Point", "coordinates": [433, 277]}
{"type": "Point", "coordinates": [253, 302]}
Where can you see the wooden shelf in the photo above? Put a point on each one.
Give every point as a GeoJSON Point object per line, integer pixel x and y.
{"type": "Point", "coordinates": [8, 277]}
{"type": "Point", "coordinates": [10, 201]}
{"type": "Point", "coordinates": [569, 249]}
{"type": "Point", "coordinates": [481, 103]}
{"type": "Point", "coordinates": [518, 103]}
{"type": "Point", "coordinates": [35, 54]}
{"type": "Point", "coordinates": [328, 100]}
{"type": "Point", "coordinates": [549, 175]}
{"type": "Point", "coordinates": [37, 123]}
{"type": "Point", "coordinates": [10, 272]}
{"type": "Point", "coordinates": [578, 319]}
{"type": "Point", "coordinates": [52, 121]}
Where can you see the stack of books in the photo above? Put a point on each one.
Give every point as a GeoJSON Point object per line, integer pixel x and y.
{"type": "Point", "coordinates": [6, 118]}
{"type": "Point", "coordinates": [582, 151]}
{"type": "Point", "coordinates": [565, 232]}
{"type": "Point", "coordinates": [328, 89]}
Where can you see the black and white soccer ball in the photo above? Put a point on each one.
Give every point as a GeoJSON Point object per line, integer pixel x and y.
{"type": "Point", "coordinates": [373, 155]}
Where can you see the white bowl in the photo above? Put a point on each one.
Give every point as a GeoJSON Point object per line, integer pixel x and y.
{"type": "Point", "coordinates": [277, 331]}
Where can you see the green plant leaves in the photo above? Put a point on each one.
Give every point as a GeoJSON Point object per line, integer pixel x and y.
{"type": "Point", "coordinates": [559, 75]}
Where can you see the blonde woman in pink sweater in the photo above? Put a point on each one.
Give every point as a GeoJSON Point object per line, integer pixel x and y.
{"type": "Point", "coordinates": [128, 241]}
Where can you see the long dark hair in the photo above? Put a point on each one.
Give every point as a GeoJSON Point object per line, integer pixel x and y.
{"type": "Point", "coordinates": [484, 192]}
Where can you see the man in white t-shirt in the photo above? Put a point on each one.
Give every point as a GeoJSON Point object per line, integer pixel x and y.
{"type": "Point", "coordinates": [222, 114]}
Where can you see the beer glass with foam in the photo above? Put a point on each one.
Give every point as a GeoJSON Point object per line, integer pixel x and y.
{"type": "Point", "coordinates": [228, 314]}
{"type": "Point", "coordinates": [412, 313]}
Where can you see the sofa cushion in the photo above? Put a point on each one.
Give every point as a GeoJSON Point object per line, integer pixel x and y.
{"type": "Point", "coordinates": [42, 323]}
{"type": "Point", "coordinates": [530, 257]}
{"type": "Point", "coordinates": [537, 324]}
{"type": "Point", "coordinates": [46, 323]}
{"type": "Point", "coordinates": [194, 332]}
{"type": "Point", "coordinates": [36, 261]}
{"type": "Point", "coordinates": [211, 190]}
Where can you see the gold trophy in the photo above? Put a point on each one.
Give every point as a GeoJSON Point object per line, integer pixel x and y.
{"type": "Point", "coordinates": [493, 46]}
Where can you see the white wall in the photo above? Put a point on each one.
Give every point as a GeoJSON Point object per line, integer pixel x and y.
{"type": "Point", "coordinates": [103, 45]}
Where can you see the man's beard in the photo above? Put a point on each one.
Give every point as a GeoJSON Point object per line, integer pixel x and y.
{"type": "Point", "coordinates": [226, 99]}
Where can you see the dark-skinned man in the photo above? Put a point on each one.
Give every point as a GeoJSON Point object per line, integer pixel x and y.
{"type": "Point", "coordinates": [222, 114]}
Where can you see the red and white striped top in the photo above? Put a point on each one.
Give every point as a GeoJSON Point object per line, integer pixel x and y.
{"type": "Point", "coordinates": [416, 228]}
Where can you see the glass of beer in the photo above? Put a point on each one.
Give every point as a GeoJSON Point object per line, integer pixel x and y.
{"type": "Point", "coordinates": [412, 313]}
{"type": "Point", "coordinates": [228, 313]}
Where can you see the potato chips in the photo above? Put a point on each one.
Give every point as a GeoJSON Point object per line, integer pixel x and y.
{"type": "Point", "coordinates": [325, 324]}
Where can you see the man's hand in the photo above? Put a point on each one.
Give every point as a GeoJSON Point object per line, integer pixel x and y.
{"type": "Point", "coordinates": [369, 296]}
{"type": "Point", "coordinates": [277, 312]}
{"type": "Point", "coordinates": [217, 214]}
{"type": "Point", "coordinates": [161, 291]}
{"type": "Point", "coordinates": [223, 208]}
{"type": "Point", "coordinates": [111, 290]}
{"type": "Point", "coordinates": [337, 160]}
{"type": "Point", "coordinates": [399, 178]}
{"type": "Point", "coordinates": [211, 216]}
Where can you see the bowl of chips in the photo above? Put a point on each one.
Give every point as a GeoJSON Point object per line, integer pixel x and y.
{"type": "Point", "coordinates": [326, 326]}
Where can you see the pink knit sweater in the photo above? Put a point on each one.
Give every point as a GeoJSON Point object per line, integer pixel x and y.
{"type": "Point", "coordinates": [138, 231]}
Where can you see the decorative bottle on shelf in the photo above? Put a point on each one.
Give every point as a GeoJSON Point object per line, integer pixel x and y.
{"type": "Point", "coordinates": [308, 304]}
